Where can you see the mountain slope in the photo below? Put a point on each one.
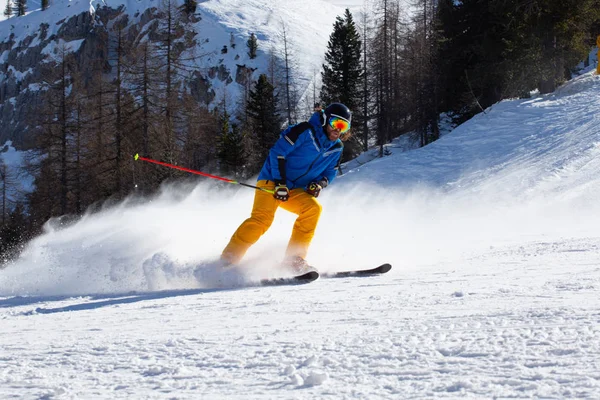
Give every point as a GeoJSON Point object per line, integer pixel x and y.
{"type": "Point", "coordinates": [529, 146]}
{"type": "Point", "coordinates": [31, 40]}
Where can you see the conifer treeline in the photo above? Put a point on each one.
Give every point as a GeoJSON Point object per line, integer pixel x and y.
{"type": "Point", "coordinates": [397, 71]}
{"type": "Point", "coordinates": [16, 8]}
{"type": "Point", "coordinates": [492, 50]}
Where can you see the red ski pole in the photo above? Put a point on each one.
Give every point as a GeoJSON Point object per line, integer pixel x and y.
{"type": "Point", "coordinates": [191, 171]}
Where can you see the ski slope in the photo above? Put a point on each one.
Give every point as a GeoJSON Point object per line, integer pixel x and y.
{"type": "Point", "coordinates": [495, 293]}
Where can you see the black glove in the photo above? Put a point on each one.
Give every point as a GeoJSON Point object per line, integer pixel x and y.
{"type": "Point", "coordinates": [314, 188]}
{"type": "Point", "coordinates": [281, 191]}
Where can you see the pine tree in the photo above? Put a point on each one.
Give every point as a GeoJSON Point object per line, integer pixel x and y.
{"type": "Point", "coordinates": [231, 149]}
{"type": "Point", "coordinates": [478, 48]}
{"type": "Point", "coordinates": [8, 10]}
{"type": "Point", "coordinates": [189, 6]}
{"type": "Point", "coordinates": [496, 50]}
{"type": "Point", "coordinates": [45, 4]}
{"type": "Point", "coordinates": [342, 72]}
{"type": "Point", "coordinates": [264, 119]}
{"type": "Point", "coordinates": [561, 28]}
{"type": "Point", "coordinates": [252, 44]}
{"type": "Point", "coordinates": [21, 7]}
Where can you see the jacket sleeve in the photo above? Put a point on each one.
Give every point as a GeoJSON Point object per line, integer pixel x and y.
{"type": "Point", "coordinates": [289, 140]}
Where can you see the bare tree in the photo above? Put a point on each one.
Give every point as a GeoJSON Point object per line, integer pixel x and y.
{"type": "Point", "coordinates": [380, 56]}
{"type": "Point", "coordinates": [425, 38]}
{"type": "Point", "coordinates": [366, 76]}
{"type": "Point", "coordinates": [288, 75]}
{"type": "Point", "coordinates": [53, 144]}
{"type": "Point", "coordinates": [176, 62]}
{"type": "Point", "coordinates": [119, 50]}
{"type": "Point", "coordinates": [64, 110]}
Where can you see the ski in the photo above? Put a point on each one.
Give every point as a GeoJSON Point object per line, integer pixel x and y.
{"type": "Point", "coordinates": [382, 269]}
{"type": "Point", "coordinates": [291, 280]}
{"type": "Point", "coordinates": [314, 275]}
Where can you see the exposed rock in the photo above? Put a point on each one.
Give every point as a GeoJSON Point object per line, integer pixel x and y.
{"type": "Point", "coordinates": [243, 74]}
{"type": "Point", "coordinates": [200, 89]}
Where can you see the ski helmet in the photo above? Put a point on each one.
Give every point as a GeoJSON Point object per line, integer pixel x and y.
{"type": "Point", "coordinates": [337, 110]}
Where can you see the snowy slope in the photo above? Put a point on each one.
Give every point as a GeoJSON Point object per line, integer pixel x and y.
{"type": "Point", "coordinates": [34, 5]}
{"type": "Point", "coordinates": [494, 236]}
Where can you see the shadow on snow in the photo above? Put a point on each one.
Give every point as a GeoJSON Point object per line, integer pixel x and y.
{"type": "Point", "coordinates": [103, 300]}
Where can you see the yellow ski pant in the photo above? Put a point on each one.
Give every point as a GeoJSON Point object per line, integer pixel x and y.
{"type": "Point", "coordinates": [301, 203]}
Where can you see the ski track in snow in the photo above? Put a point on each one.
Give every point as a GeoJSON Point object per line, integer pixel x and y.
{"type": "Point", "coordinates": [517, 321]}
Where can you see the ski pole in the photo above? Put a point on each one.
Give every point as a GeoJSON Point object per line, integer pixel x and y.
{"type": "Point", "coordinates": [191, 171]}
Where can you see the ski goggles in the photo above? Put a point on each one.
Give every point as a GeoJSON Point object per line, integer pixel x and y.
{"type": "Point", "coordinates": [340, 124]}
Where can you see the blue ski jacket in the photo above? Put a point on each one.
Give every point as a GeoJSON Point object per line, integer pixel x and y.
{"type": "Point", "coordinates": [308, 154]}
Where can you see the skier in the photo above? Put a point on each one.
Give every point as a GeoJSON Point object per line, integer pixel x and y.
{"type": "Point", "coordinates": [300, 164]}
